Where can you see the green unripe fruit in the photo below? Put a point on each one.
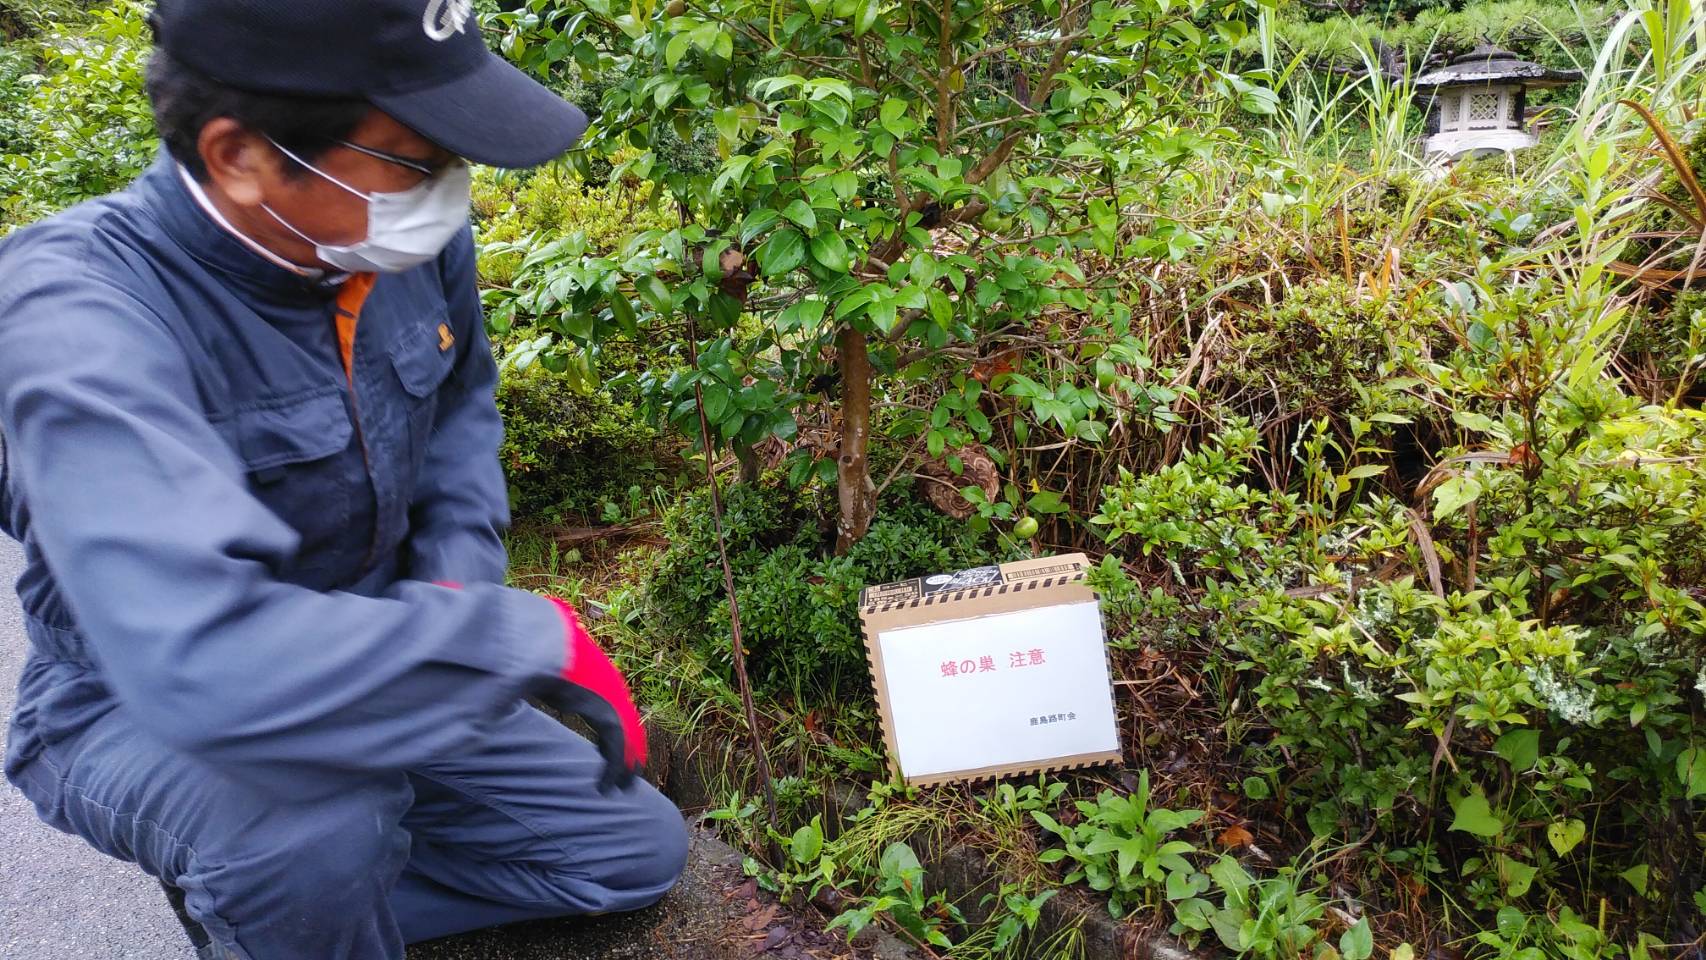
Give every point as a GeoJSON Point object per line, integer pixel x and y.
{"type": "Point", "coordinates": [1026, 528]}
{"type": "Point", "coordinates": [995, 222]}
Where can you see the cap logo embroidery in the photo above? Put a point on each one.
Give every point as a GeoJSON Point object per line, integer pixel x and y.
{"type": "Point", "coordinates": [445, 18]}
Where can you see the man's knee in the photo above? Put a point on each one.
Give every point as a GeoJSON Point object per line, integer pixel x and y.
{"type": "Point", "coordinates": [640, 855]}
{"type": "Point", "coordinates": [662, 850]}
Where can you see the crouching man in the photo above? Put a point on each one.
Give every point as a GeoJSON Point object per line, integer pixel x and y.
{"type": "Point", "coordinates": [252, 459]}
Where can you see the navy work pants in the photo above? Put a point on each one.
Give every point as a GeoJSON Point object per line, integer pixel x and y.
{"type": "Point", "coordinates": [513, 829]}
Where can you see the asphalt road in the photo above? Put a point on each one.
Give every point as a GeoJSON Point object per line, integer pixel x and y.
{"type": "Point", "coordinates": [59, 899]}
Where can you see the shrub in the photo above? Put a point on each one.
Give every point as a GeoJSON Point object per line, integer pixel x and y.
{"type": "Point", "coordinates": [1553, 34]}
{"type": "Point", "coordinates": [515, 210]}
{"type": "Point", "coordinates": [23, 18]}
{"type": "Point", "coordinates": [1473, 733]}
{"type": "Point", "coordinates": [883, 227]}
{"type": "Point", "coordinates": [798, 603]}
{"type": "Point", "coordinates": [80, 126]}
{"type": "Point", "coordinates": [1314, 351]}
{"type": "Point", "coordinates": [574, 457]}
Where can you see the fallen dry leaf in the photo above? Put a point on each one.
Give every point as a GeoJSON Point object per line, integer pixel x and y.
{"type": "Point", "coordinates": [1235, 836]}
{"type": "Point", "coordinates": [761, 919]}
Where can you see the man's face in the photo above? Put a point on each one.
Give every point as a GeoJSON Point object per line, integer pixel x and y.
{"type": "Point", "coordinates": [250, 172]}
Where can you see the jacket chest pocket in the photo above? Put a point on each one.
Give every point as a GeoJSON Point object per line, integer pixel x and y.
{"type": "Point", "coordinates": [422, 357]}
{"type": "Point", "coordinates": [297, 453]}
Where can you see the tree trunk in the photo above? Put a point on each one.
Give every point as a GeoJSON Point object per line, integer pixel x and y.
{"type": "Point", "coordinates": [853, 471]}
{"type": "Point", "coordinates": [750, 468]}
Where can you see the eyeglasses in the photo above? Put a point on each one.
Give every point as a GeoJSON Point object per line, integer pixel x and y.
{"type": "Point", "coordinates": [419, 166]}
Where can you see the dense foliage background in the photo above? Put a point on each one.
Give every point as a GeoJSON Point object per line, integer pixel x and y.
{"type": "Point", "coordinates": [1392, 469]}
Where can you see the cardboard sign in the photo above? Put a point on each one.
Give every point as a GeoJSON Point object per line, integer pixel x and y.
{"type": "Point", "coordinates": [991, 672]}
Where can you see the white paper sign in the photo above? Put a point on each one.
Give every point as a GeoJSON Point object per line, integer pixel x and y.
{"type": "Point", "coordinates": [1000, 689]}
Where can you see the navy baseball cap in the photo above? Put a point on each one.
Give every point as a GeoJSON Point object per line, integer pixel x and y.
{"type": "Point", "coordinates": [423, 62]}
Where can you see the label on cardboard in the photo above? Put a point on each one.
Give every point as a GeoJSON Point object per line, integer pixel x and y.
{"type": "Point", "coordinates": [992, 671]}
{"type": "Point", "coordinates": [1013, 687]}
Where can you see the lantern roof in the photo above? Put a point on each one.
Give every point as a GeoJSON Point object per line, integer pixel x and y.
{"type": "Point", "coordinates": [1488, 64]}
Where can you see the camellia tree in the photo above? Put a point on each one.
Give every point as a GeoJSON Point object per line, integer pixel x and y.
{"type": "Point", "coordinates": [906, 199]}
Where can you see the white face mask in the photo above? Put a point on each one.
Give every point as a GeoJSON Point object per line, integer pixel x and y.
{"type": "Point", "coordinates": [404, 229]}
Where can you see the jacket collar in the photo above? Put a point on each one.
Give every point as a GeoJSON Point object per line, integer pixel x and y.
{"type": "Point", "coordinates": [204, 236]}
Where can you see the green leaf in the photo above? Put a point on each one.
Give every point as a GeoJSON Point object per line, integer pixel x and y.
{"type": "Point", "coordinates": [1194, 913]}
{"type": "Point", "coordinates": [1520, 748]}
{"type": "Point", "coordinates": [1229, 927]}
{"type": "Point", "coordinates": [1230, 876]}
{"type": "Point", "coordinates": [1565, 835]}
{"type": "Point", "coordinates": [1455, 494]}
{"type": "Point", "coordinates": [882, 313]}
{"type": "Point", "coordinates": [734, 169]}
{"type": "Point", "coordinates": [1046, 501]}
{"type": "Point", "coordinates": [1323, 819]}
{"type": "Point", "coordinates": [898, 860]}
{"type": "Point", "coordinates": [623, 313]}
{"type": "Point", "coordinates": [757, 222]}
{"type": "Point", "coordinates": [856, 302]}
{"type": "Point", "coordinates": [1518, 876]}
{"type": "Point", "coordinates": [801, 213]}
{"type": "Point", "coordinates": [941, 308]}
{"type": "Point", "coordinates": [865, 17]}
{"type": "Point", "coordinates": [1691, 771]}
{"type": "Point", "coordinates": [712, 261]}
{"type": "Point", "coordinates": [831, 251]}
{"type": "Point", "coordinates": [803, 314]}
{"type": "Point", "coordinates": [716, 402]}
{"type": "Point", "coordinates": [806, 844]}
{"type": "Point", "coordinates": [784, 251]}
{"type": "Point", "coordinates": [677, 49]}
{"type": "Point", "coordinates": [1094, 431]}
{"type": "Point", "coordinates": [1474, 816]}
{"type": "Point", "coordinates": [1357, 943]}
{"type": "Point", "coordinates": [1480, 423]}
{"type": "Point", "coordinates": [1256, 788]}
{"type": "Point", "coordinates": [1510, 922]}
{"type": "Point", "coordinates": [1258, 100]}
{"type": "Point", "coordinates": [655, 293]}
{"type": "Point", "coordinates": [1637, 877]}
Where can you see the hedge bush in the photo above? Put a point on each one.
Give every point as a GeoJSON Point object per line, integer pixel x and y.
{"type": "Point", "coordinates": [572, 457]}
{"type": "Point", "coordinates": [75, 121]}
{"type": "Point", "coordinates": [798, 602]}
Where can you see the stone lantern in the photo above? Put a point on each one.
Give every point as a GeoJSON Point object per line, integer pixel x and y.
{"type": "Point", "coordinates": [1475, 103]}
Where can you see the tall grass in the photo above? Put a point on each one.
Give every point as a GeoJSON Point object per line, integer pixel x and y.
{"type": "Point", "coordinates": [1654, 55]}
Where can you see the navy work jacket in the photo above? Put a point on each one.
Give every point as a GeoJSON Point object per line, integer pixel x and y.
{"type": "Point", "coordinates": [226, 533]}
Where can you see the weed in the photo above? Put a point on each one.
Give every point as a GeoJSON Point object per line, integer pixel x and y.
{"type": "Point", "coordinates": [900, 896]}
{"type": "Point", "coordinates": [1122, 848]}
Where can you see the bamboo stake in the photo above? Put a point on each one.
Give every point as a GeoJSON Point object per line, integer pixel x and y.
{"type": "Point", "coordinates": [741, 678]}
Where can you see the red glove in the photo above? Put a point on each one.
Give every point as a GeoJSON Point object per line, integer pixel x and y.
{"type": "Point", "coordinates": [597, 694]}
